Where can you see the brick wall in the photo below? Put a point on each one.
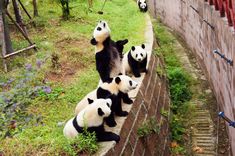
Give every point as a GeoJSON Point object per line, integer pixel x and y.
{"type": "Point", "coordinates": [194, 20]}
{"type": "Point", "coordinates": [152, 97]}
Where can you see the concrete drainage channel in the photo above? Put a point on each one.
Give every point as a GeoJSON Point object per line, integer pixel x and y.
{"type": "Point", "coordinates": [203, 126]}
{"type": "Point", "coordinates": [203, 137]}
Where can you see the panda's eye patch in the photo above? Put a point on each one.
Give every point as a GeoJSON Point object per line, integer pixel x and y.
{"type": "Point", "coordinates": [136, 55]}
{"type": "Point", "coordinates": [141, 54]}
{"type": "Point", "coordinates": [104, 25]}
{"type": "Point", "coordinates": [108, 105]}
{"type": "Point", "coordinates": [99, 29]}
{"type": "Point", "coordinates": [130, 82]}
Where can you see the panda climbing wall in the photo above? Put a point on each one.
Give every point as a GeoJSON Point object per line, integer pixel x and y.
{"type": "Point", "coordinates": [135, 61]}
{"type": "Point", "coordinates": [142, 5]}
{"type": "Point", "coordinates": [93, 118]}
{"type": "Point", "coordinates": [117, 90]}
{"type": "Point", "coordinates": [108, 53]}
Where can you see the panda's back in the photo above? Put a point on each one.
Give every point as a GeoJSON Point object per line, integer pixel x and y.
{"type": "Point", "coordinates": [115, 62]}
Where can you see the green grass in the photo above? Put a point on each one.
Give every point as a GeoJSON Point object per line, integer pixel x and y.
{"type": "Point", "coordinates": [180, 82]}
{"type": "Point", "coordinates": [42, 133]}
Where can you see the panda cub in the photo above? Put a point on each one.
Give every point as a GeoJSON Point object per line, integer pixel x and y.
{"type": "Point", "coordinates": [92, 117]}
{"type": "Point", "coordinates": [142, 5]}
{"type": "Point", "coordinates": [135, 60]}
{"type": "Point", "coordinates": [116, 90]}
{"type": "Point", "coordinates": [108, 53]}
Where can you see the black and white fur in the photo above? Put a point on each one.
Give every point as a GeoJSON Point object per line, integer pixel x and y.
{"type": "Point", "coordinates": [135, 61]}
{"type": "Point", "coordinates": [142, 5]}
{"type": "Point", "coordinates": [92, 118]}
{"type": "Point", "coordinates": [117, 90]}
{"type": "Point", "coordinates": [108, 53]}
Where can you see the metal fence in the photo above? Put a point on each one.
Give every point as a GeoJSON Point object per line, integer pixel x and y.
{"type": "Point", "coordinates": [226, 8]}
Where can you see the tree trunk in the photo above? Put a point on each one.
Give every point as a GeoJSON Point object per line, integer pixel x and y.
{"type": "Point", "coordinates": [18, 16]}
{"type": "Point", "coordinates": [35, 8]}
{"type": "Point", "coordinates": [65, 9]}
{"type": "Point", "coordinates": [90, 3]}
{"type": "Point", "coordinates": [4, 31]}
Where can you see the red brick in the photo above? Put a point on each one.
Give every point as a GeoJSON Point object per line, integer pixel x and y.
{"type": "Point", "coordinates": [133, 137]}
{"type": "Point", "coordinates": [139, 148]}
{"type": "Point", "coordinates": [128, 150]}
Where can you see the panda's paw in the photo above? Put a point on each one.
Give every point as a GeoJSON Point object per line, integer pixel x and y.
{"type": "Point", "coordinates": [116, 138]}
{"type": "Point", "coordinates": [137, 75]}
{"type": "Point", "coordinates": [111, 123]}
{"type": "Point", "coordinates": [123, 113]}
{"type": "Point", "coordinates": [146, 71]}
{"type": "Point", "coordinates": [128, 101]}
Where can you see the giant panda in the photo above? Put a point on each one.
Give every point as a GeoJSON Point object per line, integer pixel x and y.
{"type": "Point", "coordinates": [92, 118]}
{"type": "Point", "coordinates": [142, 5]}
{"type": "Point", "coordinates": [117, 90]}
{"type": "Point", "coordinates": [108, 53]}
{"type": "Point", "coordinates": [135, 61]}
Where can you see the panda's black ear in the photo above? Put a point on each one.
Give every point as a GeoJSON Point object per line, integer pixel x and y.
{"type": "Point", "coordinates": [100, 112]}
{"type": "Point", "coordinates": [117, 80]}
{"type": "Point", "coordinates": [93, 41]}
{"type": "Point", "coordinates": [143, 46]}
{"type": "Point", "coordinates": [133, 48]}
{"type": "Point", "coordinates": [90, 101]}
{"type": "Point", "coordinates": [123, 42]}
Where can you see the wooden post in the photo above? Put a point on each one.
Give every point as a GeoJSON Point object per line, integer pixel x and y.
{"type": "Point", "coordinates": [18, 16]}
{"type": "Point", "coordinates": [35, 8]}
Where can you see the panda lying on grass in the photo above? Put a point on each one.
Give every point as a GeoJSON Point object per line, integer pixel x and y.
{"type": "Point", "coordinates": [92, 118]}
{"type": "Point", "coordinates": [116, 90]}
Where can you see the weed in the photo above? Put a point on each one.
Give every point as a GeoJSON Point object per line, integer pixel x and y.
{"type": "Point", "coordinates": [164, 112]}
{"type": "Point", "coordinates": [148, 127]}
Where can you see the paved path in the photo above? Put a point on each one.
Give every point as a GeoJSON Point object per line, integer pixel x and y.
{"type": "Point", "coordinates": [204, 139]}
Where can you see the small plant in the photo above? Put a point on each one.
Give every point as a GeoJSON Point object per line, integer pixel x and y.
{"type": "Point", "coordinates": [164, 112]}
{"type": "Point", "coordinates": [50, 94]}
{"type": "Point", "coordinates": [148, 127]}
{"type": "Point", "coordinates": [160, 71]}
{"type": "Point", "coordinates": [87, 142]}
{"type": "Point", "coordinates": [55, 61]}
{"type": "Point", "coordinates": [179, 87]}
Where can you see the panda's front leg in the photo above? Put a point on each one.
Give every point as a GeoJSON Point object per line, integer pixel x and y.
{"type": "Point", "coordinates": [136, 72]}
{"type": "Point", "coordinates": [107, 136]}
{"type": "Point", "coordinates": [118, 110]}
{"type": "Point", "coordinates": [126, 99]}
{"type": "Point", "coordinates": [110, 121]}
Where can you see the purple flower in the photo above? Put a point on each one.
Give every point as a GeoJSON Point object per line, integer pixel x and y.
{"type": "Point", "coordinates": [39, 63]}
{"type": "Point", "coordinates": [10, 80]}
{"type": "Point", "coordinates": [47, 89]}
{"type": "Point", "coordinates": [28, 67]}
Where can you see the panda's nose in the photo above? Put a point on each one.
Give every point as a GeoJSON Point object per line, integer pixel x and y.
{"type": "Point", "coordinates": [99, 29]}
{"type": "Point", "coordinates": [139, 59]}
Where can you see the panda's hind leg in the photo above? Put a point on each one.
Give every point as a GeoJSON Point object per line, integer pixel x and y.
{"type": "Point", "coordinates": [108, 136]}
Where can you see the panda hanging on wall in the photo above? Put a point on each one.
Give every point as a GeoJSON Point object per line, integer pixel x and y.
{"type": "Point", "coordinates": [142, 5]}
{"type": "Point", "coordinates": [135, 61]}
{"type": "Point", "coordinates": [116, 91]}
{"type": "Point", "coordinates": [92, 118]}
{"type": "Point", "coordinates": [108, 53]}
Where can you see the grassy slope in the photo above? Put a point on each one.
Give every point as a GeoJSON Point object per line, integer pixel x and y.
{"type": "Point", "coordinates": [70, 40]}
{"type": "Point", "coordinates": [181, 85]}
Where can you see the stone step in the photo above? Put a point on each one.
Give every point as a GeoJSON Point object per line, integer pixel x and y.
{"type": "Point", "coordinates": [202, 135]}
